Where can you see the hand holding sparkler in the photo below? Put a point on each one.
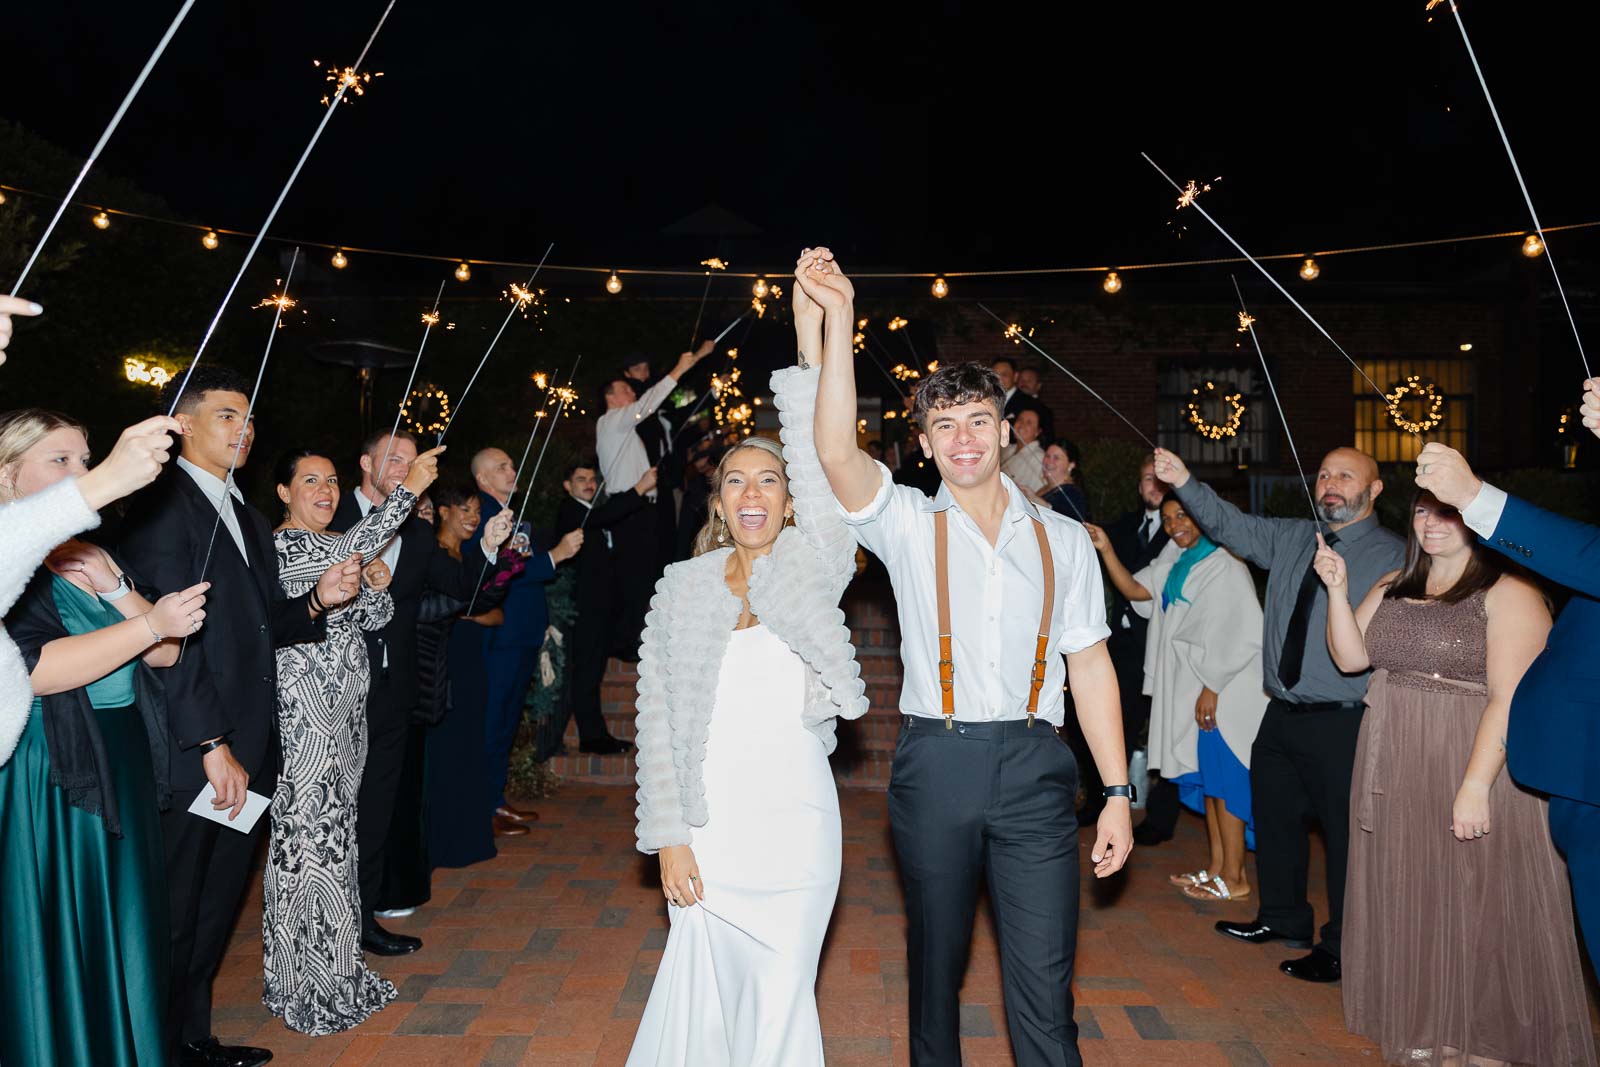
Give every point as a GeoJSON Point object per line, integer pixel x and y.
{"type": "Point", "coordinates": [135, 461]}
{"type": "Point", "coordinates": [646, 483]}
{"type": "Point", "coordinates": [687, 360]}
{"type": "Point", "coordinates": [424, 470]}
{"type": "Point", "coordinates": [1590, 408]}
{"type": "Point", "coordinates": [340, 583]}
{"type": "Point", "coordinates": [1445, 473]}
{"type": "Point", "coordinates": [9, 306]}
{"type": "Point", "coordinates": [567, 547]}
{"type": "Point", "coordinates": [1171, 469]}
{"type": "Point", "coordinates": [497, 529]}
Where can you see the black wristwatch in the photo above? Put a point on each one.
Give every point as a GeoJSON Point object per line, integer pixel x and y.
{"type": "Point", "coordinates": [1121, 791]}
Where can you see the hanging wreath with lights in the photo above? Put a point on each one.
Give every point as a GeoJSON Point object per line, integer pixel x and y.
{"type": "Point", "coordinates": [1215, 431]}
{"type": "Point", "coordinates": [426, 410]}
{"type": "Point", "coordinates": [1423, 392]}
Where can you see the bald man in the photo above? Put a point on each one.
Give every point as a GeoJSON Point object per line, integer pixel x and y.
{"type": "Point", "coordinates": [511, 650]}
{"type": "Point", "coordinates": [1304, 753]}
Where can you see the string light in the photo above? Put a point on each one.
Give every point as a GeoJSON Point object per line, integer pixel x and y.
{"type": "Point", "coordinates": [1215, 431]}
{"type": "Point", "coordinates": [101, 220]}
{"type": "Point", "coordinates": [2, 197]}
{"type": "Point", "coordinates": [1309, 270]}
{"type": "Point", "coordinates": [1112, 283]}
{"type": "Point", "coordinates": [144, 373]}
{"type": "Point", "coordinates": [759, 288]}
{"type": "Point", "coordinates": [210, 241]}
{"type": "Point", "coordinates": [1532, 246]}
{"type": "Point", "coordinates": [933, 366]}
{"type": "Point", "coordinates": [432, 410]}
{"type": "Point", "coordinates": [941, 288]}
{"type": "Point", "coordinates": [896, 323]}
{"type": "Point", "coordinates": [1467, 347]}
{"type": "Point", "coordinates": [613, 284]}
{"type": "Point", "coordinates": [339, 260]}
{"type": "Point", "coordinates": [463, 272]}
{"type": "Point", "coordinates": [1418, 388]}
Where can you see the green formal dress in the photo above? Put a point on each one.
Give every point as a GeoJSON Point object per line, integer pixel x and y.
{"type": "Point", "coordinates": [83, 915]}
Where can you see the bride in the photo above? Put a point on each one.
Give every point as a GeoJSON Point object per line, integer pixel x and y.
{"type": "Point", "coordinates": [746, 663]}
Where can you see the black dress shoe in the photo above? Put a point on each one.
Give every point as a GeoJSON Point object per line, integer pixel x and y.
{"type": "Point", "coordinates": [381, 942]}
{"type": "Point", "coordinates": [1258, 933]}
{"type": "Point", "coordinates": [609, 746]}
{"type": "Point", "coordinates": [1146, 835]}
{"type": "Point", "coordinates": [1320, 966]}
{"type": "Point", "coordinates": [212, 1053]}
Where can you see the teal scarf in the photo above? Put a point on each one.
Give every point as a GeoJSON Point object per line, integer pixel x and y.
{"type": "Point", "coordinates": [1172, 591]}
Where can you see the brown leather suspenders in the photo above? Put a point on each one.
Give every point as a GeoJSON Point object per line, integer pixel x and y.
{"type": "Point", "coordinates": [947, 666]}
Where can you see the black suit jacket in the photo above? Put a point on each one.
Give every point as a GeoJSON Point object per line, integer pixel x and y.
{"type": "Point", "coordinates": [594, 558]}
{"type": "Point", "coordinates": [1021, 402]}
{"type": "Point", "coordinates": [1135, 555]}
{"type": "Point", "coordinates": [226, 682]}
{"type": "Point", "coordinates": [423, 566]}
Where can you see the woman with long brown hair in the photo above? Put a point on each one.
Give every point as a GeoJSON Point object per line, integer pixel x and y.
{"type": "Point", "coordinates": [745, 666]}
{"type": "Point", "coordinates": [1459, 944]}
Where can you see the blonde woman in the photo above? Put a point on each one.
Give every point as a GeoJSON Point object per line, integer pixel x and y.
{"type": "Point", "coordinates": [746, 663]}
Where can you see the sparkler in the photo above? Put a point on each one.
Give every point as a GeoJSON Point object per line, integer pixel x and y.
{"type": "Point", "coordinates": [1527, 198]}
{"type": "Point", "coordinates": [1247, 325]}
{"type": "Point", "coordinates": [261, 231]}
{"type": "Point", "coordinates": [689, 418]}
{"type": "Point", "coordinates": [347, 78]}
{"type": "Point", "coordinates": [94, 153]}
{"type": "Point", "coordinates": [1086, 387]}
{"type": "Point", "coordinates": [244, 430]}
{"type": "Point", "coordinates": [504, 323]}
{"type": "Point", "coordinates": [1265, 274]}
{"type": "Point", "coordinates": [429, 319]}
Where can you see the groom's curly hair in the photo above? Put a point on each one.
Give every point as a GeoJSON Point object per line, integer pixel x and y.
{"type": "Point", "coordinates": [956, 384]}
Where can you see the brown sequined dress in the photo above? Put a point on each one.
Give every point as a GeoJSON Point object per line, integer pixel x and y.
{"type": "Point", "coordinates": [1451, 949]}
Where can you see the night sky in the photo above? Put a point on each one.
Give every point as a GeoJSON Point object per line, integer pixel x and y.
{"type": "Point", "coordinates": [916, 136]}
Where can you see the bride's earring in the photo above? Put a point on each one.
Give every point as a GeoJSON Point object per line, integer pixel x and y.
{"type": "Point", "coordinates": [722, 529]}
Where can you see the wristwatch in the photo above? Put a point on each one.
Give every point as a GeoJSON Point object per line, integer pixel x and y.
{"type": "Point", "coordinates": [124, 586]}
{"type": "Point", "coordinates": [1121, 791]}
{"type": "Point", "coordinates": [212, 746]}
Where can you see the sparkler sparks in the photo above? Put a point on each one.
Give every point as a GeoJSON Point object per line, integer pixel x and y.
{"type": "Point", "coordinates": [714, 263]}
{"type": "Point", "coordinates": [540, 379]}
{"type": "Point", "coordinates": [759, 305]}
{"type": "Point", "coordinates": [523, 297]}
{"type": "Point", "coordinates": [346, 80]}
{"type": "Point", "coordinates": [1245, 320]}
{"type": "Point", "coordinates": [896, 323]}
{"type": "Point", "coordinates": [278, 300]}
{"type": "Point", "coordinates": [430, 318]}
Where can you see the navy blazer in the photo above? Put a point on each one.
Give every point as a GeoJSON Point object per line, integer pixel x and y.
{"type": "Point", "coordinates": [527, 615]}
{"type": "Point", "coordinates": [1553, 741]}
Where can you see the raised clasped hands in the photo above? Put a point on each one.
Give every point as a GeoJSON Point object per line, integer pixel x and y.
{"type": "Point", "coordinates": [818, 273]}
{"type": "Point", "coordinates": [1329, 566]}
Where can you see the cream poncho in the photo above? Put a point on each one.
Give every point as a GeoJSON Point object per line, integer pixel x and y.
{"type": "Point", "coordinates": [794, 590]}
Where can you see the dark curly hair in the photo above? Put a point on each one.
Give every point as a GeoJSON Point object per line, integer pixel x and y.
{"type": "Point", "coordinates": [956, 384]}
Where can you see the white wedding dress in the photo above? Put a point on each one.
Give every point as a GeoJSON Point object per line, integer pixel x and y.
{"type": "Point", "coordinates": [737, 982]}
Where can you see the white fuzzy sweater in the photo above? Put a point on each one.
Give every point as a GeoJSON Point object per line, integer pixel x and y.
{"type": "Point", "coordinates": [29, 529]}
{"type": "Point", "coordinates": [794, 591]}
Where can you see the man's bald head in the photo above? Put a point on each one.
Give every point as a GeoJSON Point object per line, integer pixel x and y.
{"type": "Point", "coordinates": [1347, 486]}
{"type": "Point", "coordinates": [495, 474]}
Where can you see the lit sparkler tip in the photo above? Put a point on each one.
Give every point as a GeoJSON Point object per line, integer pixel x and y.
{"type": "Point", "coordinates": [346, 80]}
{"type": "Point", "coordinates": [539, 379]}
{"type": "Point", "coordinates": [277, 300]}
{"type": "Point", "coordinates": [1245, 321]}
{"type": "Point", "coordinates": [897, 322]}
{"type": "Point", "coordinates": [759, 306]}
{"type": "Point", "coordinates": [1193, 190]}
{"type": "Point", "coordinates": [714, 263]}
{"type": "Point", "coordinates": [521, 296]}
{"type": "Point", "coordinates": [430, 318]}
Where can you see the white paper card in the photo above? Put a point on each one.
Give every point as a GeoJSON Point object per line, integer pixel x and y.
{"type": "Point", "coordinates": [254, 805]}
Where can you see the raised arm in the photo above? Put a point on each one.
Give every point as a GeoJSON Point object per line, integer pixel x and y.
{"type": "Point", "coordinates": [1347, 625]}
{"type": "Point", "coordinates": [851, 473]}
{"type": "Point", "coordinates": [1125, 583]}
{"type": "Point", "coordinates": [1249, 536]}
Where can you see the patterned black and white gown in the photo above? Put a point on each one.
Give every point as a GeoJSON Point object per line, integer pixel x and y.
{"type": "Point", "coordinates": [316, 976]}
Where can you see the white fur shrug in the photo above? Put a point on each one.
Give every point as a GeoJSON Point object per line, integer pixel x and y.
{"type": "Point", "coordinates": [794, 591]}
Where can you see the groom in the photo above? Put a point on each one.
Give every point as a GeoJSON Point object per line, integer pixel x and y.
{"type": "Point", "coordinates": [982, 785]}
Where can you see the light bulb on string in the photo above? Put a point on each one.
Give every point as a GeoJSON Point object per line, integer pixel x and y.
{"type": "Point", "coordinates": [2, 196]}
{"type": "Point", "coordinates": [463, 272]}
{"type": "Point", "coordinates": [1532, 246]}
{"type": "Point", "coordinates": [1112, 283]}
{"type": "Point", "coordinates": [339, 261]}
{"type": "Point", "coordinates": [613, 284]}
{"type": "Point", "coordinates": [759, 288]}
{"type": "Point", "coordinates": [101, 220]}
{"type": "Point", "coordinates": [210, 241]}
{"type": "Point", "coordinates": [941, 288]}
{"type": "Point", "coordinates": [1309, 271]}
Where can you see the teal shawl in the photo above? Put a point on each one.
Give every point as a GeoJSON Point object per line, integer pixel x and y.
{"type": "Point", "coordinates": [1172, 591]}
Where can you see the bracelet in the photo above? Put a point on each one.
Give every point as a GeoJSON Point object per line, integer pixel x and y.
{"type": "Point", "coordinates": [212, 746]}
{"type": "Point", "coordinates": [123, 587]}
{"type": "Point", "coordinates": [1121, 791]}
{"type": "Point", "coordinates": [151, 627]}
{"type": "Point", "coordinates": [317, 606]}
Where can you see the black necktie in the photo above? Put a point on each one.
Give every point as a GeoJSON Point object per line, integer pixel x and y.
{"type": "Point", "coordinates": [1294, 641]}
{"type": "Point", "coordinates": [1147, 529]}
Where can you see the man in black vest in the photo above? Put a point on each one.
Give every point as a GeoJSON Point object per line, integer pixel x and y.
{"type": "Point", "coordinates": [222, 696]}
{"type": "Point", "coordinates": [598, 597]}
{"type": "Point", "coordinates": [415, 561]}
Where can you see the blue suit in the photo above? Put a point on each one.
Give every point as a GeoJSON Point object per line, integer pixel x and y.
{"type": "Point", "coordinates": [1553, 740]}
{"type": "Point", "coordinates": [510, 652]}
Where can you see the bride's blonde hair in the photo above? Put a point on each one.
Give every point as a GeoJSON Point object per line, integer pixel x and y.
{"type": "Point", "coordinates": [706, 540]}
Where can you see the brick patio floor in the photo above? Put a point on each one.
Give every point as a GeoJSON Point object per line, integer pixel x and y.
{"type": "Point", "coordinates": [545, 956]}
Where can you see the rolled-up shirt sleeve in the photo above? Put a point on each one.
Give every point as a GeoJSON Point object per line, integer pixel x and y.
{"type": "Point", "coordinates": [1083, 608]}
{"type": "Point", "coordinates": [889, 519]}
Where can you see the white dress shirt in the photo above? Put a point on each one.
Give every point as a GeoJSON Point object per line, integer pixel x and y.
{"type": "Point", "coordinates": [623, 460]}
{"type": "Point", "coordinates": [1483, 514]}
{"type": "Point", "coordinates": [996, 597]}
{"type": "Point", "coordinates": [213, 488]}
